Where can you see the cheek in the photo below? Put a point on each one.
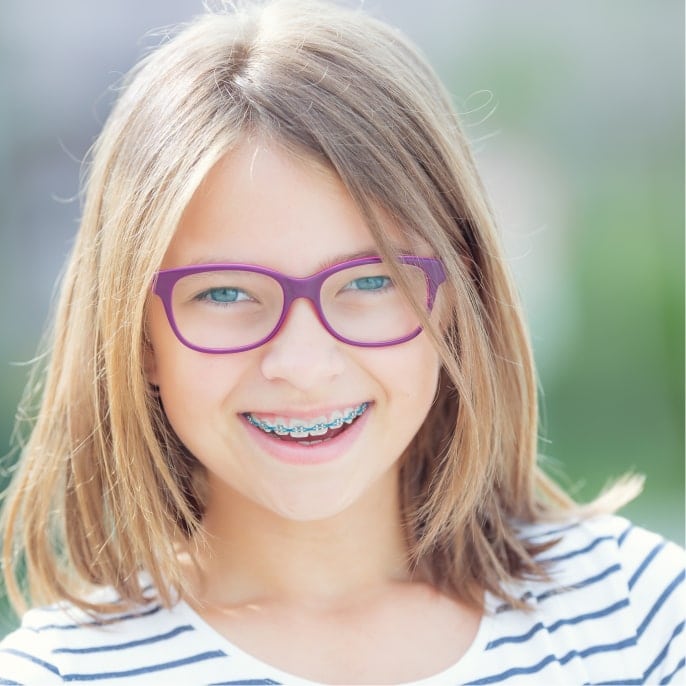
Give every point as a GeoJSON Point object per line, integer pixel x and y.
{"type": "Point", "coordinates": [410, 382]}
{"type": "Point", "coordinates": [410, 377]}
{"type": "Point", "coordinates": [183, 375]}
{"type": "Point", "coordinates": [197, 395]}
{"type": "Point", "coordinates": [193, 387]}
{"type": "Point", "coordinates": [427, 386]}
{"type": "Point", "coordinates": [198, 382]}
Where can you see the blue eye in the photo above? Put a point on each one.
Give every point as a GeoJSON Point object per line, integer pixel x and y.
{"type": "Point", "coordinates": [222, 295]}
{"type": "Point", "coordinates": [370, 283]}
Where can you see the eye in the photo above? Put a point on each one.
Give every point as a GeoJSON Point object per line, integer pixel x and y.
{"type": "Point", "coordinates": [222, 295]}
{"type": "Point", "coordinates": [370, 283]}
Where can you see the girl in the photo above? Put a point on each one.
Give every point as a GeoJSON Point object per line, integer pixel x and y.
{"type": "Point", "coordinates": [288, 429]}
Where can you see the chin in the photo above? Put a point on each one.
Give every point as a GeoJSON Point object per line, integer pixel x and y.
{"type": "Point", "coordinates": [311, 509]}
{"type": "Point", "coordinates": [312, 514]}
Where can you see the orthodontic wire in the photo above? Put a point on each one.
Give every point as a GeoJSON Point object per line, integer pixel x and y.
{"type": "Point", "coordinates": [335, 424]}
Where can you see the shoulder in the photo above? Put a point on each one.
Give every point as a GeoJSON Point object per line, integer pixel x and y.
{"type": "Point", "coordinates": [609, 558]}
{"type": "Point", "coordinates": [25, 653]}
{"type": "Point", "coordinates": [613, 550]}
{"type": "Point", "coordinates": [611, 611]}
{"type": "Point", "coordinates": [62, 643]}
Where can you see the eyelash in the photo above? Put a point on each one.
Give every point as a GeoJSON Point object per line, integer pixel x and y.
{"type": "Point", "coordinates": [204, 296]}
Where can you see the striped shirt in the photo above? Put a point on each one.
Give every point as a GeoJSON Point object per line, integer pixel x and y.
{"type": "Point", "coordinates": [612, 613]}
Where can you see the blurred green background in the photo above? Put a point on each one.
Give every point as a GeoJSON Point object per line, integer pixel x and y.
{"type": "Point", "coordinates": [576, 112]}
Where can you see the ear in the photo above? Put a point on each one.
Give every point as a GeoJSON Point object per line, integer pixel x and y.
{"type": "Point", "coordinates": [150, 364]}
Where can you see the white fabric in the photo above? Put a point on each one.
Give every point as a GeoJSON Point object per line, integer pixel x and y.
{"type": "Point", "coordinates": [613, 614]}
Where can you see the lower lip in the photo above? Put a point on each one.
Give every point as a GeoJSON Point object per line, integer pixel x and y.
{"type": "Point", "coordinates": [319, 453]}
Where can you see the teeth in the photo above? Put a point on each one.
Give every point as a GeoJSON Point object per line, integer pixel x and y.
{"type": "Point", "coordinates": [302, 428]}
{"type": "Point", "coordinates": [317, 432]}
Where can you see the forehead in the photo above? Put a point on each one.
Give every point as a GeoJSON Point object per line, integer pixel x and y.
{"type": "Point", "coordinates": [262, 205]}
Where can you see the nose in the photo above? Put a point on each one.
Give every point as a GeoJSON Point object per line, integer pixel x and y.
{"type": "Point", "coordinates": [303, 352]}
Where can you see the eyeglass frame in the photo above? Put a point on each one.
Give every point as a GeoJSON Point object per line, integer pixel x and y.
{"type": "Point", "coordinates": [293, 288]}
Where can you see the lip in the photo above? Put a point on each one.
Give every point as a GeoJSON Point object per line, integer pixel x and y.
{"type": "Point", "coordinates": [296, 454]}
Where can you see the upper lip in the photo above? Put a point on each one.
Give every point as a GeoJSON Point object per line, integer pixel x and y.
{"type": "Point", "coordinates": [308, 413]}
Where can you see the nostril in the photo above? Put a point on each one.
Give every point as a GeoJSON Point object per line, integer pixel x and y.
{"type": "Point", "coordinates": [303, 365]}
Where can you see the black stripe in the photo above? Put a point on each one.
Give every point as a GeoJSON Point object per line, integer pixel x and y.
{"type": "Point", "coordinates": [641, 568]}
{"type": "Point", "coordinates": [31, 658]}
{"type": "Point", "coordinates": [522, 638]}
{"type": "Point", "coordinates": [97, 622]}
{"type": "Point", "coordinates": [660, 602]}
{"type": "Point", "coordinates": [579, 551]}
{"type": "Point", "coordinates": [129, 644]}
{"type": "Point", "coordinates": [201, 657]}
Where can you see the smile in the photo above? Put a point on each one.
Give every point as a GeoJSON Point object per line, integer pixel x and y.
{"type": "Point", "coordinates": [323, 427]}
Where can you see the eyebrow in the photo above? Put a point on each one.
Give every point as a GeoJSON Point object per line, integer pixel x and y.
{"type": "Point", "coordinates": [346, 257]}
{"type": "Point", "coordinates": [325, 264]}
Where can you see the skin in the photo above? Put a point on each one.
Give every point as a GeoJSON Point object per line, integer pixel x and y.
{"type": "Point", "coordinates": [315, 552]}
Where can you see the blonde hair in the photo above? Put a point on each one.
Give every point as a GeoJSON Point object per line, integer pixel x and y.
{"type": "Point", "coordinates": [104, 489]}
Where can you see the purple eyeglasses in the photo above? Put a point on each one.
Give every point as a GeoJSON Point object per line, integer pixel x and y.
{"type": "Point", "coordinates": [231, 308]}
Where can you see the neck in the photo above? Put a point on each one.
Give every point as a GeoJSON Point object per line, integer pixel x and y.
{"type": "Point", "coordinates": [255, 555]}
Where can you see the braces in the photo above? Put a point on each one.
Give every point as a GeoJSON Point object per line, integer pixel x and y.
{"type": "Point", "coordinates": [335, 424]}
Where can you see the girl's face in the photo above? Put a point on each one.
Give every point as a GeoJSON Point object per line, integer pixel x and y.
{"type": "Point", "coordinates": [260, 206]}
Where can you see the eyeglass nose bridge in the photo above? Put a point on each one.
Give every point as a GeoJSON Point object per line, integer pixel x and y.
{"type": "Point", "coordinates": [307, 288]}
